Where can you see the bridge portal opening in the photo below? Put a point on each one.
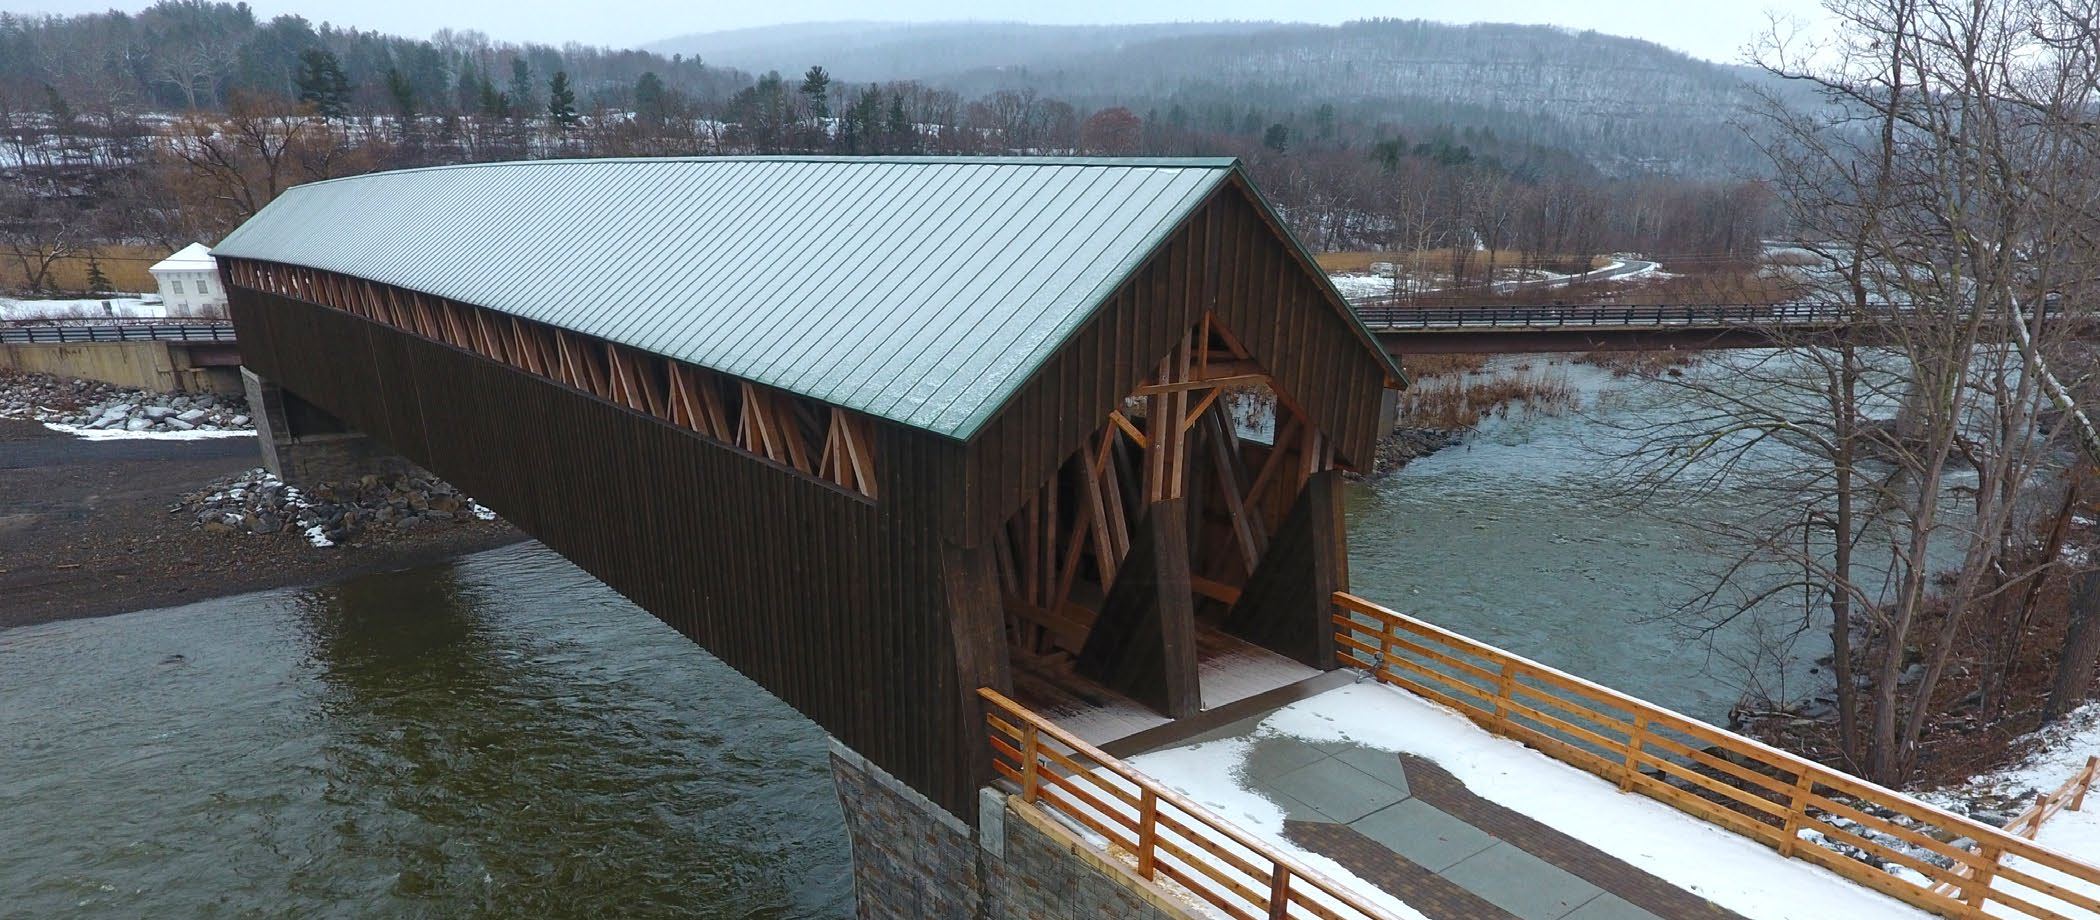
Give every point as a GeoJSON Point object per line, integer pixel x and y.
{"type": "Point", "coordinates": [1137, 581]}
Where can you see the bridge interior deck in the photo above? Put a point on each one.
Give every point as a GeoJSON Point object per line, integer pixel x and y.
{"type": "Point", "coordinates": [1231, 669]}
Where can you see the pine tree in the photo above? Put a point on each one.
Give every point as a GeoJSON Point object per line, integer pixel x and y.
{"type": "Point", "coordinates": [649, 99]}
{"type": "Point", "coordinates": [403, 92]}
{"type": "Point", "coordinates": [816, 85]}
{"type": "Point", "coordinates": [900, 136]}
{"type": "Point", "coordinates": [1277, 138]}
{"type": "Point", "coordinates": [466, 94]}
{"type": "Point", "coordinates": [561, 100]}
{"type": "Point", "coordinates": [494, 104]}
{"type": "Point", "coordinates": [521, 97]}
{"type": "Point", "coordinates": [97, 281]}
{"type": "Point", "coordinates": [321, 83]}
{"type": "Point", "coordinates": [61, 112]}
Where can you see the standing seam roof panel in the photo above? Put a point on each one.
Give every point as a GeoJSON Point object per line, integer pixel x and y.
{"type": "Point", "coordinates": [1070, 212]}
{"type": "Point", "coordinates": [921, 290]}
{"type": "Point", "coordinates": [738, 347]}
{"type": "Point", "coordinates": [1057, 288]}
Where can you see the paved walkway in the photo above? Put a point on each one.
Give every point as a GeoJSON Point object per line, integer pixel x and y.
{"type": "Point", "coordinates": [1408, 826]}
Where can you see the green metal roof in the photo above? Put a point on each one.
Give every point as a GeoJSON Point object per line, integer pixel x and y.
{"type": "Point", "coordinates": [919, 290]}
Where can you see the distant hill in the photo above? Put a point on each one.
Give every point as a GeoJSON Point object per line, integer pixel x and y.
{"type": "Point", "coordinates": [877, 51]}
{"type": "Point", "coordinates": [1625, 104]}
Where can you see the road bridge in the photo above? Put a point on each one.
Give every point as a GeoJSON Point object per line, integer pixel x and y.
{"type": "Point", "coordinates": [1511, 329]}
{"type": "Point", "coordinates": [174, 354]}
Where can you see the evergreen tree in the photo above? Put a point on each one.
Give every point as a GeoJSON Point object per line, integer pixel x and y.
{"type": "Point", "coordinates": [97, 281]}
{"type": "Point", "coordinates": [521, 97]}
{"type": "Point", "coordinates": [494, 104]}
{"type": "Point", "coordinates": [898, 135]}
{"type": "Point", "coordinates": [403, 91]}
{"type": "Point", "coordinates": [466, 94]}
{"type": "Point", "coordinates": [816, 86]}
{"type": "Point", "coordinates": [1277, 138]}
{"type": "Point", "coordinates": [561, 100]}
{"type": "Point", "coordinates": [61, 112]}
{"type": "Point", "coordinates": [321, 84]}
{"type": "Point", "coordinates": [650, 104]}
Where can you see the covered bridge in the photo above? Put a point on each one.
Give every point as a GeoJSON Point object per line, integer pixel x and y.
{"type": "Point", "coordinates": [875, 431]}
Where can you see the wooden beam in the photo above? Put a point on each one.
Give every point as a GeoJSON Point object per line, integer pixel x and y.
{"type": "Point", "coordinates": [1183, 386]}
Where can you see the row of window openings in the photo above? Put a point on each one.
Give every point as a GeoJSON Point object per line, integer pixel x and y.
{"type": "Point", "coordinates": [203, 286]}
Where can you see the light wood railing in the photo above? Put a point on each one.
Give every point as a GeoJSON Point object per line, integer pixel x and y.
{"type": "Point", "coordinates": [2028, 823]}
{"type": "Point", "coordinates": [1756, 790]}
{"type": "Point", "coordinates": [1163, 835]}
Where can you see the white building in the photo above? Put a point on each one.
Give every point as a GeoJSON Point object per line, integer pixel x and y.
{"type": "Point", "coordinates": [189, 283]}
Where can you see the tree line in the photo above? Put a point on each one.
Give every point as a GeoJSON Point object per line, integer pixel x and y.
{"type": "Point", "coordinates": [178, 122]}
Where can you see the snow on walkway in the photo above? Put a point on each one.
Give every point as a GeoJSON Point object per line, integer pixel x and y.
{"type": "Point", "coordinates": [1730, 870]}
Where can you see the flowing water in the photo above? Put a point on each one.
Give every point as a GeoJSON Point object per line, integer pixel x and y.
{"type": "Point", "coordinates": [1520, 538]}
{"type": "Point", "coordinates": [499, 737]}
{"type": "Point", "coordinates": [504, 737]}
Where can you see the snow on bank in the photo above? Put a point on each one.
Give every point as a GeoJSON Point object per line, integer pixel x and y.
{"type": "Point", "coordinates": [1733, 871]}
{"type": "Point", "coordinates": [2060, 753]}
{"type": "Point", "coordinates": [125, 307]}
{"type": "Point", "coordinates": [119, 434]}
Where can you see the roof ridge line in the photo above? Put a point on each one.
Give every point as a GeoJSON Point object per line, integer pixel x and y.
{"type": "Point", "coordinates": [1223, 163]}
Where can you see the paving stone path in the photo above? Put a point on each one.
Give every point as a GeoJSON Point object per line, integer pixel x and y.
{"type": "Point", "coordinates": [1408, 826]}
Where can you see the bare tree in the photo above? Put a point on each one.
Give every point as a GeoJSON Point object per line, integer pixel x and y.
{"type": "Point", "coordinates": [1885, 477]}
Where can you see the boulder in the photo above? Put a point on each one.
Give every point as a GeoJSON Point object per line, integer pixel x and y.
{"type": "Point", "coordinates": [156, 413]}
{"type": "Point", "coordinates": [137, 424]}
{"type": "Point", "coordinates": [237, 421]}
{"type": "Point", "coordinates": [192, 416]}
{"type": "Point", "coordinates": [176, 424]}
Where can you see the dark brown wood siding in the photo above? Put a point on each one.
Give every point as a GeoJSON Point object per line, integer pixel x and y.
{"type": "Point", "coordinates": [832, 602]}
{"type": "Point", "coordinates": [1225, 258]}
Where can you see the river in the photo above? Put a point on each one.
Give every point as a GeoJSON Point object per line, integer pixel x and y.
{"type": "Point", "coordinates": [498, 737]}
{"type": "Point", "coordinates": [504, 737]}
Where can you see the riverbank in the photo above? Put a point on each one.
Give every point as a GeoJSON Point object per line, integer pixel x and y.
{"type": "Point", "coordinates": [86, 530]}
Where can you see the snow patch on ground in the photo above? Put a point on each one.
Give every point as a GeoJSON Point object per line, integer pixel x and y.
{"type": "Point", "coordinates": [2061, 751]}
{"type": "Point", "coordinates": [1362, 285]}
{"type": "Point", "coordinates": [119, 434]}
{"type": "Point", "coordinates": [121, 307]}
{"type": "Point", "coordinates": [1730, 870]}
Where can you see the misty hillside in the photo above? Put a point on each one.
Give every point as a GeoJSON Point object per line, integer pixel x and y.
{"type": "Point", "coordinates": [880, 51]}
{"type": "Point", "coordinates": [1627, 105]}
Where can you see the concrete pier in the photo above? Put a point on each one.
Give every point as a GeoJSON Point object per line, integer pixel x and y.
{"type": "Point", "coordinates": [305, 446]}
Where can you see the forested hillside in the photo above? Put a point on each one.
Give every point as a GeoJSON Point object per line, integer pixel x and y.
{"type": "Point", "coordinates": [179, 122]}
{"type": "Point", "coordinates": [1625, 105]}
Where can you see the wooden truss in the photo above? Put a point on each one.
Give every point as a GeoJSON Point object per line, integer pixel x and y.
{"type": "Point", "coordinates": [1059, 554]}
{"type": "Point", "coordinates": [820, 441]}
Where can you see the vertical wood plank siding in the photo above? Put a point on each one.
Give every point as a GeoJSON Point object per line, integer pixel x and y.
{"type": "Point", "coordinates": [1224, 258]}
{"type": "Point", "coordinates": [831, 602]}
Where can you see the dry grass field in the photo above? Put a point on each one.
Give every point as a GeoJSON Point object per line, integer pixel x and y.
{"type": "Point", "coordinates": [125, 265]}
{"type": "Point", "coordinates": [1434, 260]}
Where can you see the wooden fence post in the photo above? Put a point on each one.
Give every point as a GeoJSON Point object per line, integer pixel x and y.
{"type": "Point", "coordinates": [1279, 892]}
{"type": "Point", "coordinates": [1973, 893]}
{"type": "Point", "coordinates": [2084, 783]}
{"type": "Point", "coordinates": [1634, 740]}
{"type": "Point", "coordinates": [2041, 810]}
{"type": "Point", "coordinates": [1148, 832]}
{"type": "Point", "coordinates": [1030, 747]}
{"type": "Point", "coordinates": [1796, 811]}
{"type": "Point", "coordinates": [1502, 692]}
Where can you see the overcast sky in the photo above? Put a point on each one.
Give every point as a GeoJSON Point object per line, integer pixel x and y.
{"type": "Point", "coordinates": [1713, 29]}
